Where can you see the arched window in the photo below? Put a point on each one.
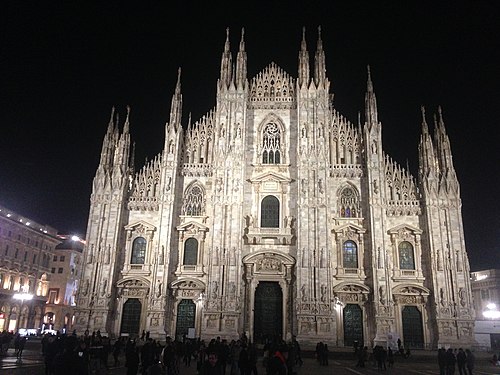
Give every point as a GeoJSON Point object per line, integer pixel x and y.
{"type": "Point", "coordinates": [348, 203]}
{"type": "Point", "coordinates": [271, 144]}
{"type": "Point", "coordinates": [350, 254]}
{"type": "Point", "coordinates": [194, 202]}
{"type": "Point", "coordinates": [138, 251]}
{"type": "Point", "coordinates": [270, 212]}
{"type": "Point", "coordinates": [406, 258]}
{"type": "Point", "coordinates": [190, 252]}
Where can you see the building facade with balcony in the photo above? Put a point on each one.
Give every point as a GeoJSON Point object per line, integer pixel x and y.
{"type": "Point", "coordinates": [273, 214]}
{"type": "Point", "coordinates": [26, 250]}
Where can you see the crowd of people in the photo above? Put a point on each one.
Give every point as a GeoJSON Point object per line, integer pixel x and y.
{"type": "Point", "coordinates": [91, 353]}
{"type": "Point", "coordinates": [449, 359]}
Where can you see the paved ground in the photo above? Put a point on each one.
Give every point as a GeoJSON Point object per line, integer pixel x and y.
{"type": "Point", "coordinates": [341, 363]}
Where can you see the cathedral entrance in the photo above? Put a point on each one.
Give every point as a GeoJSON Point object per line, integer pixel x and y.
{"type": "Point", "coordinates": [131, 317]}
{"type": "Point", "coordinates": [413, 334]}
{"type": "Point", "coordinates": [268, 311]}
{"type": "Point", "coordinates": [353, 324]}
{"type": "Point", "coordinates": [186, 314]}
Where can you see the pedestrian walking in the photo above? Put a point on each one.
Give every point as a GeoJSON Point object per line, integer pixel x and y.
{"type": "Point", "coordinates": [450, 362]}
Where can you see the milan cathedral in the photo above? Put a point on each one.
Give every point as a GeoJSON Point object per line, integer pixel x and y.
{"type": "Point", "coordinates": [273, 214]}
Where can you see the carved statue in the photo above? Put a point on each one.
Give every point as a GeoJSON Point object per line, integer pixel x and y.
{"type": "Point", "coordinates": [107, 258]}
{"type": "Point", "coordinates": [323, 293]}
{"type": "Point", "coordinates": [85, 289]}
{"type": "Point", "coordinates": [158, 289]}
{"type": "Point", "coordinates": [104, 287]}
{"type": "Point", "coordinates": [303, 293]}
{"type": "Point", "coordinates": [215, 289]}
{"type": "Point", "coordinates": [251, 221]}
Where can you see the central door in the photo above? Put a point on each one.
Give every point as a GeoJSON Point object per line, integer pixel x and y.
{"type": "Point", "coordinates": [131, 318]}
{"type": "Point", "coordinates": [186, 314]}
{"type": "Point", "coordinates": [268, 311]}
{"type": "Point", "coordinates": [353, 325]}
{"type": "Point", "coordinates": [413, 334]}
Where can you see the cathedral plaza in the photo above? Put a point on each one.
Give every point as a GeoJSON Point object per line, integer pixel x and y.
{"type": "Point", "coordinates": [275, 215]}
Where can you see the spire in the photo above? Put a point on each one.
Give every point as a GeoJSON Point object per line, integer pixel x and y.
{"type": "Point", "coordinates": [370, 103]}
{"type": "Point", "coordinates": [319, 62]}
{"type": "Point", "coordinates": [226, 64]}
{"type": "Point", "coordinates": [126, 125]}
{"type": "Point", "coordinates": [111, 124]}
{"type": "Point", "coordinates": [176, 106]}
{"type": "Point", "coordinates": [241, 63]}
{"type": "Point", "coordinates": [303, 61]}
{"type": "Point", "coordinates": [443, 144]}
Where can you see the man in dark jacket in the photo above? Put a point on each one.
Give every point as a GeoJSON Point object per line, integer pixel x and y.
{"type": "Point", "coordinates": [277, 363]}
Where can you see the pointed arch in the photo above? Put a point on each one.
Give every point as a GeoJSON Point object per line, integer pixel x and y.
{"type": "Point", "coordinates": [271, 140]}
{"type": "Point", "coordinates": [348, 201]}
{"type": "Point", "coordinates": [194, 200]}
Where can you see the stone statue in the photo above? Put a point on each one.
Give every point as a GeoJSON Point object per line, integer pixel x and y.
{"type": "Point", "coordinates": [85, 289]}
{"type": "Point", "coordinates": [104, 287]}
{"type": "Point", "coordinates": [303, 293]}
{"type": "Point", "coordinates": [158, 289]}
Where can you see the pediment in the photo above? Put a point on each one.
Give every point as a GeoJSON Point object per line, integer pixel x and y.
{"type": "Point", "coordinates": [133, 282]}
{"type": "Point", "coordinates": [188, 283]}
{"type": "Point", "coordinates": [192, 226]}
{"type": "Point", "coordinates": [270, 177]}
{"type": "Point", "coordinates": [349, 228]}
{"type": "Point", "coordinates": [403, 229]}
{"type": "Point", "coordinates": [140, 226]}
{"type": "Point", "coordinates": [272, 84]}
{"type": "Point", "coordinates": [411, 289]}
{"type": "Point", "coordinates": [263, 257]}
{"type": "Point", "coordinates": [350, 287]}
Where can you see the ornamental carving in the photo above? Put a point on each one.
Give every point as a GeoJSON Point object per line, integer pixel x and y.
{"type": "Point", "coordinates": [268, 264]}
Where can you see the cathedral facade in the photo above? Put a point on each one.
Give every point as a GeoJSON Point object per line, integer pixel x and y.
{"type": "Point", "coordinates": [275, 215]}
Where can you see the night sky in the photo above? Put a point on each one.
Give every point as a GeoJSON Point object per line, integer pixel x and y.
{"type": "Point", "coordinates": [62, 68]}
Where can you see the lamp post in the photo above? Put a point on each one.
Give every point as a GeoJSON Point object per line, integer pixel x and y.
{"type": "Point", "coordinates": [22, 296]}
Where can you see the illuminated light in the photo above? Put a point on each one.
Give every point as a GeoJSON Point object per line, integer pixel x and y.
{"type": "Point", "coordinates": [21, 220]}
{"type": "Point", "coordinates": [491, 306]}
{"type": "Point", "coordinates": [28, 223]}
{"type": "Point", "coordinates": [9, 215]}
{"type": "Point", "coordinates": [75, 238]}
{"type": "Point", "coordinates": [23, 296]}
{"type": "Point", "coordinates": [491, 314]}
{"type": "Point", "coordinates": [481, 277]}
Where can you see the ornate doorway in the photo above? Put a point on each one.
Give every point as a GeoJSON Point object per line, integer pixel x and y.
{"type": "Point", "coordinates": [268, 312]}
{"type": "Point", "coordinates": [131, 317]}
{"type": "Point", "coordinates": [186, 314]}
{"type": "Point", "coordinates": [353, 324]}
{"type": "Point", "coordinates": [413, 334]}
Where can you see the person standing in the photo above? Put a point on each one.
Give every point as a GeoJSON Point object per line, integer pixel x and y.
{"type": "Point", "coordinates": [461, 361]}
{"type": "Point", "coordinates": [470, 361]}
{"type": "Point", "coordinates": [442, 361]}
{"type": "Point", "coordinates": [450, 362]}
{"type": "Point", "coordinates": [211, 366]}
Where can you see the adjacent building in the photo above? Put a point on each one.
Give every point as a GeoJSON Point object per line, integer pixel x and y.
{"type": "Point", "coordinates": [486, 293]}
{"type": "Point", "coordinates": [65, 272]}
{"type": "Point", "coordinates": [274, 214]}
{"type": "Point", "coordinates": [26, 249]}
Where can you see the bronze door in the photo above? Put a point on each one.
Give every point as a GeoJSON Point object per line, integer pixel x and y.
{"type": "Point", "coordinates": [353, 325]}
{"type": "Point", "coordinates": [131, 317]}
{"type": "Point", "coordinates": [413, 334]}
{"type": "Point", "coordinates": [268, 311]}
{"type": "Point", "coordinates": [186, 313]}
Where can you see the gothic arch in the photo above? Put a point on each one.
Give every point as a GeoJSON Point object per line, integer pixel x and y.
{"type": "Point", "coordinates": [194, 200]}
{"type": "Point", "coordinates": [271, 118]}
{"type": "Point", "coordinates": [348, 201]}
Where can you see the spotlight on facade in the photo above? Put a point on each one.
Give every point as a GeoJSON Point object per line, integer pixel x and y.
{"type": "Point", "coordinates": [491, 312]}
{"type": "Point", "coordinates": [75, 238]}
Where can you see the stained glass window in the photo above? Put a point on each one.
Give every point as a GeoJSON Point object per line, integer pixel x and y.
{"type": "Point", "coordinates": [194, 202]}
{"type": "Point", "coordinates": [270, 212]}
{"type": "Point", "coordinates": [349, 203]}
{"type": "Point", "coordinates": [406, 259]}
{"type": "Point", "coordinates": [190, 252]}
{"type": "Point", "coordinates": [271, 144]}
{"type": "Point", "coordinates": [350, 255]}
{"type": "Point", "coordinates": [138, 251]}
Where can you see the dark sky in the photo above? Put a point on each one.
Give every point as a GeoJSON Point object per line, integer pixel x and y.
{"type": "Point", "coordinates": [62, 68]}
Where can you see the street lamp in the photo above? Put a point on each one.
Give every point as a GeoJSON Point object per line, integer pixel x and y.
{"type": "Point", "coordinates": [22, 296]}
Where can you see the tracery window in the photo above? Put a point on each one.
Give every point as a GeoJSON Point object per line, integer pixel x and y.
{"type": "Point", "coordinates": [138, 251]}
{"type": "Point", "coordinates": [406, 258]}
{"type": "Point", "coordinates": [350, 254]}
{"type": "Point", "coordinates": [271, 144]}
{"type": "Point", "coordinates": [190, 252]}
{"type": "Point", "coordinates": [270, 212]}
{"type": "Point", "coordinates": [194, 202]}
{"type": "Point", "coordinates": [349, 203]}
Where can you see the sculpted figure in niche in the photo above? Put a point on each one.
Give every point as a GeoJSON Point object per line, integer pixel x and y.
{"type": "Point", "coordinates": [323, 293]}
{"type": "Point", "coordinates": [104, 287]}
{"type": "Point", "coordinates": [382, 295]}
{"type": "Point", "coordinates": [251, 221]}
{"type": "Point", "coordinates": [303, 293]}
{"type": "Point", "coordinates": [158, 290]}
{"type": "Point", "coordinates": [215, 289]}
{"type": "Point", "coordinates": [85, 290]}
{"type": "Point", "coordinates": [108, 255]}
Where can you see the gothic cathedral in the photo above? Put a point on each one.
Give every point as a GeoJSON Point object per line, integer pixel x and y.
{"type": "Point", "coordinates": [275, 215]}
